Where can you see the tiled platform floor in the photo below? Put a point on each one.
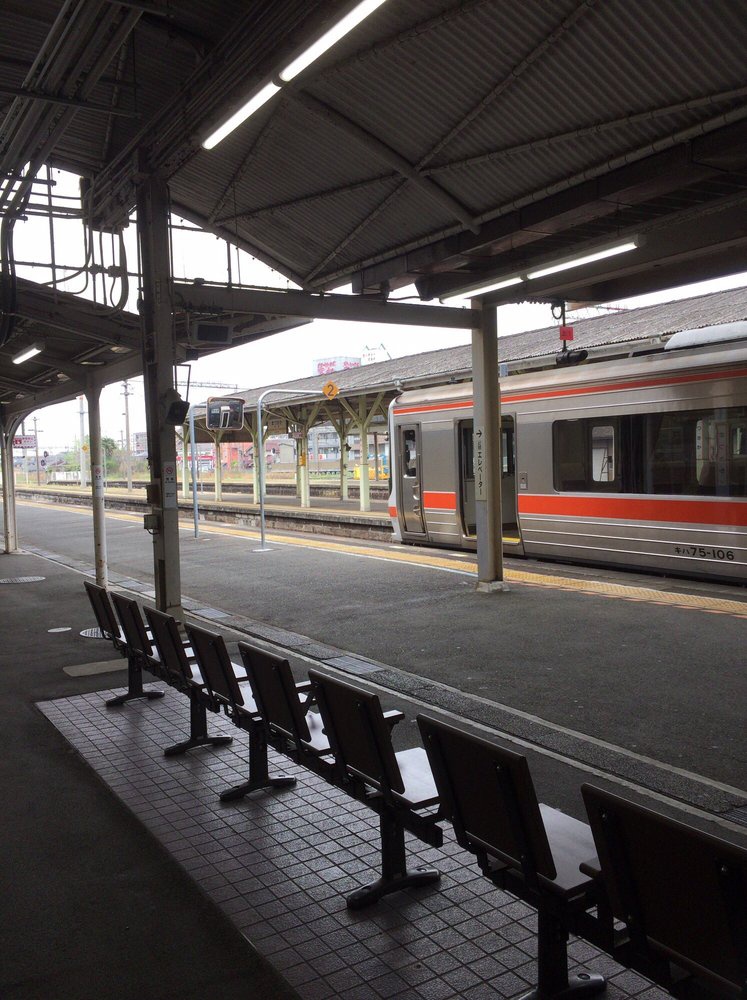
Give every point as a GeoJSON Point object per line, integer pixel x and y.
{"type": "Point", "coordinates": [280, 863]}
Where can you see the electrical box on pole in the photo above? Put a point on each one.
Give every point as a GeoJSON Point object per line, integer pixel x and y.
{"type": "Point", "coordinates": [224, 412]}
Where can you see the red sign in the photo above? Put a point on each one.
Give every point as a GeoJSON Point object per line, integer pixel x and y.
{"type": "Point", "coordinates": [566, 332]}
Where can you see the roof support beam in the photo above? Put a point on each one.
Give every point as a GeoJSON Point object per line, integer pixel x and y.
{"type": "Point", "coordinates": [215, 299]}
{"type": "Point", "coordinates": [387, 155]}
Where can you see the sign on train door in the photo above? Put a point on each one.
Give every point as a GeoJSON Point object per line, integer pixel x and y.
{"type": "Point", "coordinates": [410, 478]}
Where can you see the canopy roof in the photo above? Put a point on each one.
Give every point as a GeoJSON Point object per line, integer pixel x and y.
{"type": "Point", "coordinates": [443, 140]}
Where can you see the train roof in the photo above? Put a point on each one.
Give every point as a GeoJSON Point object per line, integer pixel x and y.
{"type": "Point", "coordinates": [705, 356]}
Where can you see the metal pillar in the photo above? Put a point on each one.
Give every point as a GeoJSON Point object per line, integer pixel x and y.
{"type": "Point", "coordinates": [302, 445]}
{"type": "Point", "coordinates": [97, 485]}
{"type": "Point", "coordinates": [193, 466]}
{"type": "Point", "coordinates": [218, 461]}
{"type": "Point", "coordinates": [10, 527]}
{"type": "Point", "coordinates": [365, 479]}
{"type": "Point", "coordinates": [82, 452]}
{"type": "Point", "coordinates": [185, 463]}
{"type": "Point", "coordinates": [487, 451]}
{"type": "Point", "coordinates": [158, 368]}
{"type": "Point", "coordinates": [128, 449]}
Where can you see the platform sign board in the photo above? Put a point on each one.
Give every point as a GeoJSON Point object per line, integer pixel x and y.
{"type": "Point", "coordinates": [481, 492]}
{"type": "Point", "coordinates": [277, 425]}
{"type": "Point", "coordinates": [24, 441]}
{"type": "Point", "coordinates": [330, 389]}
{"type": "Point", "coordinates": [224, 413]}
{"type": "Point", "coordinates": [168, 482]}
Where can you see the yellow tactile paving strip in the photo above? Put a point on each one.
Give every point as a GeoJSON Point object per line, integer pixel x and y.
{"type": "Point", "coordinates": [598, 588]}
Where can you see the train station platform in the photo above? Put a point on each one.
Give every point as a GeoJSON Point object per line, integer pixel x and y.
{"type": "Point", "coordinates": [125, 875]}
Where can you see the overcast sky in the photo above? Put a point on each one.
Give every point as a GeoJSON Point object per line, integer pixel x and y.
{"type": "Point", "coordinates": [274, 359]}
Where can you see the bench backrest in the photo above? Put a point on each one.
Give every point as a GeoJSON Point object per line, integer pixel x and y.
{"type": "Point", "coordinates": [487, 793]}
{"type": "Point", "coordinates": [275, 692]}
{"type": "Point", "coordinates": [215, 664]}
{"type": "Point", "coordinates": [132, 625]}
{"type": "Point", "coordinates": [102, 610]}
{"type": "Point", "coordinates": [168, 642]}
{"type": "Point", "coordinates": [682, 892]}
{"type": "Point", "coordinates": [357, 731]}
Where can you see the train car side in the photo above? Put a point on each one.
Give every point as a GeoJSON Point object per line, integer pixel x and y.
{"type": "Point", "coordinates": [636, 463]}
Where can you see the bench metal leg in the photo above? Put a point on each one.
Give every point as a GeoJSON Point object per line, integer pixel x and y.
{"type": "Point", "coordinates": [198, 731]}
{"type": "Point", "coordinates": [134, 686]}
{"type": "Point", "coordinates": [553, 981]}
{"type": "Point", "coordinates": [259, 776]}
{"type": "Point", "coordinates": [395, 874]}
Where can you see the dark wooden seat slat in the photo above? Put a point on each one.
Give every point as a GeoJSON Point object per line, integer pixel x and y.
{"type": "Point", "coordinates": [399, 786]}
{"type": "Point", "coordinates": [114, 630]}
{"type": "Point", "coordinates": [571, 845]}
{"type": "Point", "coordinates": [289, 722]}
{"type": "Point", "coordinates": [227, 684]}
{"type": "Point", "coordinates": [488, 794]}
{"type": "Point", "coordinates": [682, 894]}
{"type": "Point", "coordinates": [175, 658]}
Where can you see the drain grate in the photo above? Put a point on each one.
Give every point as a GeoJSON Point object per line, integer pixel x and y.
{"type": "Point", "coordinates": [23, 579]}
{"type": "Point", "coordinates": [92, 633]}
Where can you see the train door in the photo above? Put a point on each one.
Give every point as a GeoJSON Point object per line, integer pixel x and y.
{"type": "Point", "coordinates": [410, 478]}
{"type": "Point", "coordinates": [508, 479]}
{"type": "Point", "coordinates": [465, 431]}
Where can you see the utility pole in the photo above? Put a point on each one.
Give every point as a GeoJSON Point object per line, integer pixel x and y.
{"type": "Point", "coordinates": [128, 453]}
{"type": "Point", "coordinates": [36, 441]}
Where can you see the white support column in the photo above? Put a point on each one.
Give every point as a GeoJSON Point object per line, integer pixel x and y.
{"type": "Point", "coordinates": [218, 460]}
{"type": "Point", "coordinates": [160, 394]}
{"type": "Point", "coordinates": [97, 485]}
{"type": "Point", "coordinates": [487, 451]}
{"type": "Point", "coordinates": [302, 445]}
{"type": "Point", "coordinates": [10, 526]}
{"type": "Point", "coordinates": [251, 424]}
{"type": "Point", "coordinates": [185, 463]}
{"type": "Point", "coordinates": [344, 460]}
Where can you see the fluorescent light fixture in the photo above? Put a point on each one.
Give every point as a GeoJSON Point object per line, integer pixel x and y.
{"type": "Point", "coordinates": [587, 259]}
{"type": "Point", "coordinates": [329, 38]}
{"type": "Point", "coordinates": [470, 293]}
{"type": "Point", "coordinates": [246, 111]}
{"type": "Point", "coordinates": [29, 352]}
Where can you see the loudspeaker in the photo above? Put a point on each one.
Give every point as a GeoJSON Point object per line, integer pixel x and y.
{"type": "Point", "coordinates": [175, 409]}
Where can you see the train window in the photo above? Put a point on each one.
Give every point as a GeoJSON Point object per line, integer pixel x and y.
{"type": "Point", "coordinates": [689, 453]}
{"type": "Point", "coordinates": [409, 454]}
{"type": "Point", "coordinates": [507, 451]}
{"type": "Point", "coordinates": [603, 453]}
{"type": "Point", "coordinates": [739, 440]}
{"type": "Point", "coordinates": [696, 453]}
{"type": "Point", "coordinates": [467, 449]}
{"type": "Point", "coordinates": [584, 455]}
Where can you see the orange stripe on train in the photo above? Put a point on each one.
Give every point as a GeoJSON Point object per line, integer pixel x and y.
{"type": "Point", "coordinates": [439, 500]}
{"type": "Point", "coordinates": [682, 511]}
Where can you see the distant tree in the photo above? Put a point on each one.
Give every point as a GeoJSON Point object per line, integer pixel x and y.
{"type": "Point", "coordinates": [110, 448]}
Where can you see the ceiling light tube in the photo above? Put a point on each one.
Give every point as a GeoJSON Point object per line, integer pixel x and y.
{"type": "Point", "coordinates": [469, 293]}
{"type": "Point", "coordinates": [29, 352]}
{"type": "Point", "coordinates": [586, 259]}
{"type": "Point", "coordinates": [329, 38]}
{"type": "Point", "coordinates": [245, 111]}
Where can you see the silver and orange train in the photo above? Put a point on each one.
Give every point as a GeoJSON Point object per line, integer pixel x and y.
{"type": "Point", "coordinates": [639, 462]}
